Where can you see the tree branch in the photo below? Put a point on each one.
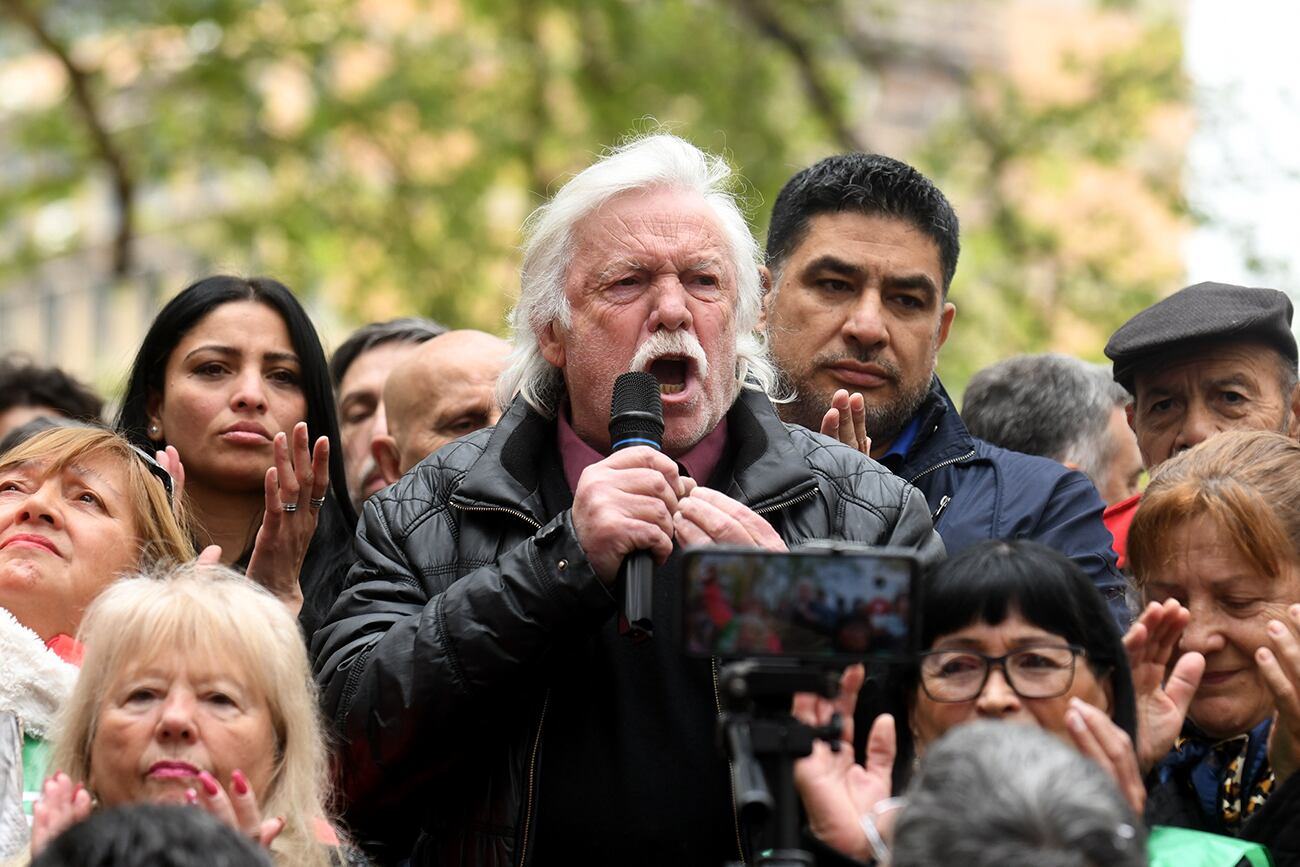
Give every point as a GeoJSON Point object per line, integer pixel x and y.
{"type": "Point", "coordinates": [815, 86]}
{"type": "Point", "coordinates": [109, 155]}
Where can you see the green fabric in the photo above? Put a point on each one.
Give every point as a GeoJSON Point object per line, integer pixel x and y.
{"type": "Point", "coordinates": [36, 761]}
{"type": "Point", "coordinates": [1179, 847]}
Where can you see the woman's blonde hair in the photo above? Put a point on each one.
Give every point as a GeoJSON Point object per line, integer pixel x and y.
{"type": "Point", "coordinates": [162, 530]}
{"type": "Point", "coordinates": [216, 612]}
{"type": "Point", "coordinates": [1247, 483]}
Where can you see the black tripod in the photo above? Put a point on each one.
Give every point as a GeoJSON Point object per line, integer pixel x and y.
{"type": "Point", "coordinates": [762, 741]}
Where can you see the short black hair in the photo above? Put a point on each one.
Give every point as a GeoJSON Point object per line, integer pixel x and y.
{"type": "Point", "coordinates": [992, 580]}
{"type": "Point", "coordinates": [870, 184]}
{"type": "Point", "coordinates": [156, 835]}
{"type": "Point", "coordinates": [23, 383]}
{"type": "Point", "coordinates": [408, 329]}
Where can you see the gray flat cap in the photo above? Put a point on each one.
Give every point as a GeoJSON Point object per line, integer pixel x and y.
{"type": "Point", "coordinates": [1205, 312]}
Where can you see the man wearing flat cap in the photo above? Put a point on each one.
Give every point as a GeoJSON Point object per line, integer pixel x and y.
{"type": "Point", "coordinates": [1210, 358]}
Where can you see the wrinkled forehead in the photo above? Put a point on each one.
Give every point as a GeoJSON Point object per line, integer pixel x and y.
{"type": "Point", "coordinates": [1195, 365]}
{"type": "Point", "coordinates": [650, 230]}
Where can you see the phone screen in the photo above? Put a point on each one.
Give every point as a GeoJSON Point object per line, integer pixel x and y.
{"type": "Point", "coordinates": [808, 604]}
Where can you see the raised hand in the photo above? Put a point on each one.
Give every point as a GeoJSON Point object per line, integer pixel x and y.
{"type": "Point", "coordinates": [238, 808]}
{"type": "Point", "coordinates": [1163, 696]}
{"type": "Point", "coordinates": [846, 421]}
{"type": "Point", "coordinates": [1280, 665]}
{"type": "Point", "coordinates": [295, 492]}
{"type": "Point", "coordinates": [836, 791]}
{"type": "Point", "coordinates": [625, 503]}
{"type": "Point", "coordinates": [705, 516]}
{"type": "Point", "coordinates": [62, 805]}
{"type": "Point", "coordinates": [170, 460]}
{"type": "Point", "coordinates": [1098, 738]}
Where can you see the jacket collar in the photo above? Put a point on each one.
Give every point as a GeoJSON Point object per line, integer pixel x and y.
{"type": "Point", "coordinates": [766, 467]}
{"type": "Point", "coordinates": [942, 437]}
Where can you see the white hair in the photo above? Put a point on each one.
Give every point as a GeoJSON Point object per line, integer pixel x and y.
{"type": "Point", "coordinates": [654, 162]}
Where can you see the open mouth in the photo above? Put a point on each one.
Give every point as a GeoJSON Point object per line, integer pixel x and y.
{"type": "Point", "coordinates": [671, 373]}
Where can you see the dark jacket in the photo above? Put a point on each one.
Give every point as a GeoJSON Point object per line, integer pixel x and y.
{"type": "Point", "coordinates": [1276, 825]}
{"type": "Point", "coordinates": [436, 663]}
{"type": "Point", "coordinates": [978, 491]}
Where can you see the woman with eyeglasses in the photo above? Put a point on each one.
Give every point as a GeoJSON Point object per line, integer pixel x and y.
{"type": "Point", "coordinates": [79, 506]}
{"type": "Point", "coordinates": [1010, 631]}
{"type": "Point", "coordinates": [232, 384]}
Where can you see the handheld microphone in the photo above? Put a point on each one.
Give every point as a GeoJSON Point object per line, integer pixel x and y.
{"type": "Point", "coordinates": [636, 418]}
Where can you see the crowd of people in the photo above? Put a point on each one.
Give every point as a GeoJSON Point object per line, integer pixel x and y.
{"type": "Point", "coordinates": [368, 610]}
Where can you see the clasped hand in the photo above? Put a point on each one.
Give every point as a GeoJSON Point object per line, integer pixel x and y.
{"type": "Point", "coordinates": [636, 500]}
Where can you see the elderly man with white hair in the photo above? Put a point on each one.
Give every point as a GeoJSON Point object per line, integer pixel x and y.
{"type": "Point", "coordinates": [487, 701]}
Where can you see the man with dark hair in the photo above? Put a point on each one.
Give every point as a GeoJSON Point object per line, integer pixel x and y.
{"type": "Point", "coordinates": [159, 835]}
{"type": "Point", "coordinates": [861, 252]}
{"type": "Point", "coordinates": [359, 368]}
{"type": "Point", "coordinates": [29, 391]}
{"type": "Point", "coordinates": [1061, 408]}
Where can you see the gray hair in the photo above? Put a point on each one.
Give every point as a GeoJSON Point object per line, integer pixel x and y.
{"type": "Point", "coordinates": [1051, 405]}
{"type": "Point", "coordinates": [407, 329]}
{"type": "Point", "coordinates": [653, 162]}
{"type": "Point", "coordinates": [1010, 795]}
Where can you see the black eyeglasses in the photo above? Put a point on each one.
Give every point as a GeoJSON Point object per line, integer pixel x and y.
{"type": "Point", "coordinates": [157, 471]}
{"type": "Point", "coordinates": [1038, 671]}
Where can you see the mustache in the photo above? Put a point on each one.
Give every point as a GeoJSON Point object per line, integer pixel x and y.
{"type": "Point", "coordinates": [663, 344]}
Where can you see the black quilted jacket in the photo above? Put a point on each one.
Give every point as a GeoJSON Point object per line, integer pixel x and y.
{"type": "Point", "coordinates": [433, 662]}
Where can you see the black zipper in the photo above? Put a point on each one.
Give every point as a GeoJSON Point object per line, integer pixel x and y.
{"type": "Point", "coordinates": [970, 454]}
{"type": "Point", "coordinates": [532, 779]}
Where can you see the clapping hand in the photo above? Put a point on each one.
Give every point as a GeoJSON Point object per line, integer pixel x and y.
{"type": "Point", "coordinates": [836, 791]}
{"type": "Point", "coordinates": [1280, 666]}
{"type": "Point", "coordinates": [846, 421]}
{"type": "Point", "coordinates": [238, 808]}
{"type": "Point", "coordinates": [295, 492]}
{"type": "Point", "coordinates": [1163, 695]}
{"type": "Point", "coordinates": [61, 806]}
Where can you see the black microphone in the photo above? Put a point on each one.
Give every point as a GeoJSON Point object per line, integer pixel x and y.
{"type": "Point", "coordinates": [636, 418]}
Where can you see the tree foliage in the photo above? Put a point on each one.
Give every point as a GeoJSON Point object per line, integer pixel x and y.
{"type": "Point", "coordinates": [382, 154]}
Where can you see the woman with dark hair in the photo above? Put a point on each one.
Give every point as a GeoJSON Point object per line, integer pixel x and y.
{"type": "Point", "coordinates": [232, 377]}
{"type": "Point", "coordinates": [1010, 631]}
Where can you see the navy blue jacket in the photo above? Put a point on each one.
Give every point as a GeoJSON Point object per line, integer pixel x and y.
{"type": "Point", "coordinates": [978, 491]}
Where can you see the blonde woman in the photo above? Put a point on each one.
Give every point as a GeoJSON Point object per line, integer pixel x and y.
{"type": "Point", "coordinates": [79, 507]}
{"type": "Point", "coordinates": [195, 688]}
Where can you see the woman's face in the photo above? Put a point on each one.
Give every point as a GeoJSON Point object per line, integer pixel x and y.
{"type": "Point", "coordinates": [163, 720]}
{"type": "Point", "coordinates": [1231, 606]}
{"type": "Point", "coordinates": [62, 537]}
{"type": "Point", "coordinates": [232, 383]}
{"type": "Point", "coordinates": [931, 719]}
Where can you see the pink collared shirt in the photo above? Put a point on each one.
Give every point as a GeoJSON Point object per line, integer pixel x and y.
{"type": "Point", "coordinates": [576, 455]}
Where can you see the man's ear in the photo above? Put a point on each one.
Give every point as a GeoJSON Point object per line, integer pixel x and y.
{"type": "Point", "coordinates": [383, 449]}
{"type": "Point", "coordinates": [551, 341]}
{"type": "Point", "coordinates": [945, 322]}
{"type": "Point", "coordinates": [1295, 413]}
{"type": "Point", "coordinates": [765, 281]}
{"type": "Point", "coordinates": [1129, 414]}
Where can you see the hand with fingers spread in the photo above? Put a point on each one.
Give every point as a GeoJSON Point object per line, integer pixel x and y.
{"type": "Point", "coordinates": [625, 503]}
{"type": "Point", "coordinates": [836, 791]}
{"type": "Point", "coordinates": [295, 493]}
{"type": "Point", "coordinates": [62, 805]}
{"type": "Point", "coordinates": [705, 516]}
{"type": "Point", "coordinates": [1098, 737]}
{"type": "Point", "coordinates": [1279, 663]}
{"type": "Point", "coordinates": [1163, 695]}
{"type": "Point", "coordinates": [846, 420]}
{"type": "Point", "coordinates": [238, 808]}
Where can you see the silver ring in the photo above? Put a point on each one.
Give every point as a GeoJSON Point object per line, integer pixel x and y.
{"type": "Point", "coordinates": [317, 502]}
{"type": "Point", "coordinates": [289, 508]}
